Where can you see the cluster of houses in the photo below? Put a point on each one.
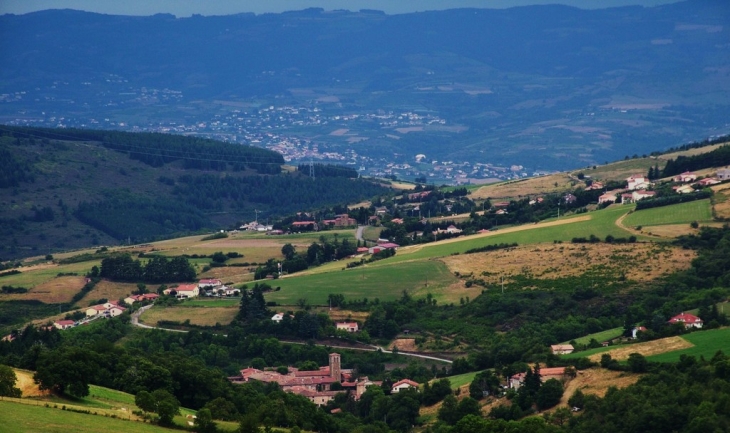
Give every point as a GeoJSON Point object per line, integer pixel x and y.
{"type": "Point", "coordinates": [317, 385]}
{"type": "Point", "coordinates": [638, 185]}
{"type": "Point", "coordinates": [687, 319]}
{"type": "Point", "coordinates": [205, 287]}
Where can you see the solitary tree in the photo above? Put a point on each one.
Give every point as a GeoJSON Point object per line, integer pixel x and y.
{"type": "Point", "coordinates": [7, 382]}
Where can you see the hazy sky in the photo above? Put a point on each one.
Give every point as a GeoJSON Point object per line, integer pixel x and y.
{"type": "Point", "coordinates": [224, 7]}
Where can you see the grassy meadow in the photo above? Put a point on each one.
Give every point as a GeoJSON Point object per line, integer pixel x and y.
{"type": "Point", "coordinates": [700, 211]}
{"type": "Point", "coordinates": [705, 343]}
{"type": "Point", "coordinates": [599, 336]}
{"type": "Point", "coordinates": [383, 282]}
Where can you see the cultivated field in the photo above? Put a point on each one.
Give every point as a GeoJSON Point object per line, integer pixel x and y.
{"type": "Point", "coordinates": [198, 315]}
{"type": "Point", "coordinates": [649, 348]}
{"type": "Point", "coordinates": [599, 336]}
{"type": "Point", "coordinates": [382, 282]}
{"type": "Point", "coordinates": [54, 291]}
{"type": "Point", "coordinates": [521, 188]}
{"type": "Point", "coordinates": [704, 343]}
{"type": "Point", "coordinates": [637, 262]}
{"type": "Point", "coordinates": [699, 210]}
{"type": "Point", "coordinates": [32, 276]}
{"type": "Point", "coordinates": [596, 381]}
{"type": "Point", "coordinates": [110, 290]}
{"type": "Point", "coordinates": [721, 200]}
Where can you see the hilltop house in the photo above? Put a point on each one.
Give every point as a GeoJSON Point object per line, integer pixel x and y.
{"type": "Point", "coordinates": [107, 309]}
{"type": "Point", "coordinates": [209, 283]}
{"type": "Point", "coordinates": [64, 324]}
{"type": "Point", "coordinates": [129, 300]}
{"type": "Point", "coordinates": [642, 194]}
{"type": "Point", "coordinates": [609, 197]}
{"type": "Point", "coordinates": [723, 174]}
{"type": "Point", "coordinates": [516, 380]}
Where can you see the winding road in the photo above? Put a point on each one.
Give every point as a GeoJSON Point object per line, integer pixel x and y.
{"type": "Point", "coordinates": [138, 313]}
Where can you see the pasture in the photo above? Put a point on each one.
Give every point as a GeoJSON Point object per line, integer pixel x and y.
{"type": "Point", "coordinates": [383, 282]}
{"type": "Point", "coordinates": [699, 210]}
{"type": "Point", "coordinates": [704, 343]}
{"type": "Point", "coordinates": [197, 315]}
{"type": "Point", "coordinates": [599, 336]}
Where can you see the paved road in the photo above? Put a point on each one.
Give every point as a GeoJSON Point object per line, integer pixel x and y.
{"type": "Point", "coordinates": [135, 322]}
{"type": "Point", "coordinates": [358, 233]}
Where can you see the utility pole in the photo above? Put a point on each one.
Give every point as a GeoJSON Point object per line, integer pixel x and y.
{"type": "Point", "coordinates": [257, 215]}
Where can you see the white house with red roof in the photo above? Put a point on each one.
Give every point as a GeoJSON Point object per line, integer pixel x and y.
{"type": "Point", "coordinates": [689, 320]}
{"type": "Point", "coordinates": [685, 177]}
{"type": "Point", "coordinates": [642, 194]}
{"type": "Point", "coordinates": [347, 326]}
{"type": "Point", "coordinates": [129, 300]}
{"type": "Point", "coordinates": [404, 384]}
{"type": "Point", "coordinates": [64, 324]}
{"type": "Point", "coordinates": [609, 197]}
{"type": "Point", "coordinates": [209, 283]}
{"type": "Point", "coordinates": [637, 181]}
{"type": "Point", "coordinates": [562, 349]}
{"type": "Point", "coordinates": [184, 291]}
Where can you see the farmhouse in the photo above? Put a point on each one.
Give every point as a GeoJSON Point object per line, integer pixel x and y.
{"type": "Point", "coordinates": [637, 181]}
{"type": "Point", "coordinates": [708, 181]}
{"type": "Point", "coordinates": [278, 317]}
{"type": "Point", "coordinates": [64, 324]}
{"type": "Point", "coordinates": [108, 309]}
{"type": "Point", "coordinates": [562, 349]}
{"type": "Point", "coordinates": [140, 298]}
{"type": "Point", "coordinates": [685, 177]}
{"type": "Point", "coordinates": [209, 283]}
{"type": "Point", "coordinates": [184, 291]}
{"type": "Point", "coordinates": [723, 174]}
{"type": "Point", "coordinates": [383, 246]}
{"type": "Point", "coordinates": [516, 381]}
{"type": "Point", "coordinates": [609, 197]}
{"type": "Point", "coordinates": [683, 189]}
{"type": "Point", "coordinates": [347, 326]}
{"type": "Point", "coordinates": [404, 384]}
{"type": "Point", "coordinates": [641, 194]}
{"type": "Point", "coordinates": [689, 320]}
{"type": "Point", "coordinates": [96, 310]}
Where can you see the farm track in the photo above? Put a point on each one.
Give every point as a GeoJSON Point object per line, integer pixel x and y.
{"type": "Point", "coordinates": [138, 313]}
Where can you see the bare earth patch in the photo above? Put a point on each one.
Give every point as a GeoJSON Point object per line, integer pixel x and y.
{"type": "Point", "coordinates": [407, 344]}
{"type": "Point", "coordinates": [342, 315]}
{"type": "Point", "coordinates": [521, 188]}
{"type": "Point", "coordinates": [721, 200]}
{"type": "Point", "coordinates": [26, 384]}
{"type": "Point", "coordinates": [596, 381]}
{"type": "Point", "coordinates": [637, 262]}
{"type": "Point", "coordinates": [649, 348]}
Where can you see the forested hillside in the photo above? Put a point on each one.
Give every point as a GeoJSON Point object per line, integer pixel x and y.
{"type": "Point", "coordinates": [68, 188]}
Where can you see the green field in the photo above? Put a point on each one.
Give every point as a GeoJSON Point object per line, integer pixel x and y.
{"type": "Point", "coordinates": [599, 336]}
{"type": "Point", "coordinates": [461, 379]}
{"type": "Point", "coordinates": [706, 343]}
{"type": "Point", "coordinates": [682, 213]}
{"type": "Point", "coordinates": [383, 282]}
{"type": "Point", "coordinates": [33, 278]}
{"type": "Point", "coordinates": [601, 223]}
{"type": "Point", "coordinates": [21, 418]}
{"type": "Point", "coordinates": [214, 302]}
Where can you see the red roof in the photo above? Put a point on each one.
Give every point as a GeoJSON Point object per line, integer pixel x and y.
{"type": "Point", "coordinates": [185, 288]}
{"type": "Point", "coordinates": [207, 281]}
{"type": "Point", "coordinates": [388, 245]}
{"type": "Point", "coordinates": [65, 322]}
{"type": "Point", "coordinates": [685, 318]}
{"type": "Point", "coordinates": [406, 381]}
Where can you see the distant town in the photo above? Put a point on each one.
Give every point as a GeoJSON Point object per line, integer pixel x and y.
{"type": "Point", "coordinates": [310, 131]}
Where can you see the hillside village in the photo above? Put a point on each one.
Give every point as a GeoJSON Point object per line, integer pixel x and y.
{"type": "Point", "coordinates": [352, 336]}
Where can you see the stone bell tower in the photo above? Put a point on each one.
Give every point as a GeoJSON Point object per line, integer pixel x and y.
{"type": "Point", "coordinates": [335, 370]}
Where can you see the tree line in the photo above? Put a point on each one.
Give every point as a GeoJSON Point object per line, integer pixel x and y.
{"type": "Point", "coordinates": [158, 269]}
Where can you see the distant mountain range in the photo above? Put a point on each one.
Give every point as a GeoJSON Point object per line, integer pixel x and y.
{"type": "Point", "coordinates": [546, 87]}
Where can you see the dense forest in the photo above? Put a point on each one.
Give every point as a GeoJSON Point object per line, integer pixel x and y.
{"type": "Point", "coordinates": [715, 158]}
{"type": "Point", "coordinates": [159, 149]}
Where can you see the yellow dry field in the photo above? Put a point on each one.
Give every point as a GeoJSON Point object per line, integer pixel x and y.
{"type": "Point", "coordinates": [203, 316]}
{"type": "Point", "coordinates": [691, 152]}
{"type": "Point", "coordinates": [672, 230]}
{"type": "Point", "coordinates": [407, 344]}
{"type": "Point", "coordinates": [521, 188]}
{"type": "Point", "coordinates": [721, 200]}
{"type": "Point", "coordinates": [638, 262]}
{"type": "Point", "coordinates": [365, 204]}
{"type": "Point", "coordinates": [26, 384]}
{"type": "Point", "coordinates": [111, 291]}
{"type": "Point", "coordinates": [342, 315]}
{"type": "Point", "coordinates": [596, 381]}
{"type": "Point", "coordinates": [232, 274]}
{"type": "Point", "coordinates": [649, 348]}
{"type": "Point", "coordinates": [55, 291]}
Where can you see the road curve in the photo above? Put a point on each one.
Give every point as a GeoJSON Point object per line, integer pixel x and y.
{"type": "Point", "coordinates": [135, 322]}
